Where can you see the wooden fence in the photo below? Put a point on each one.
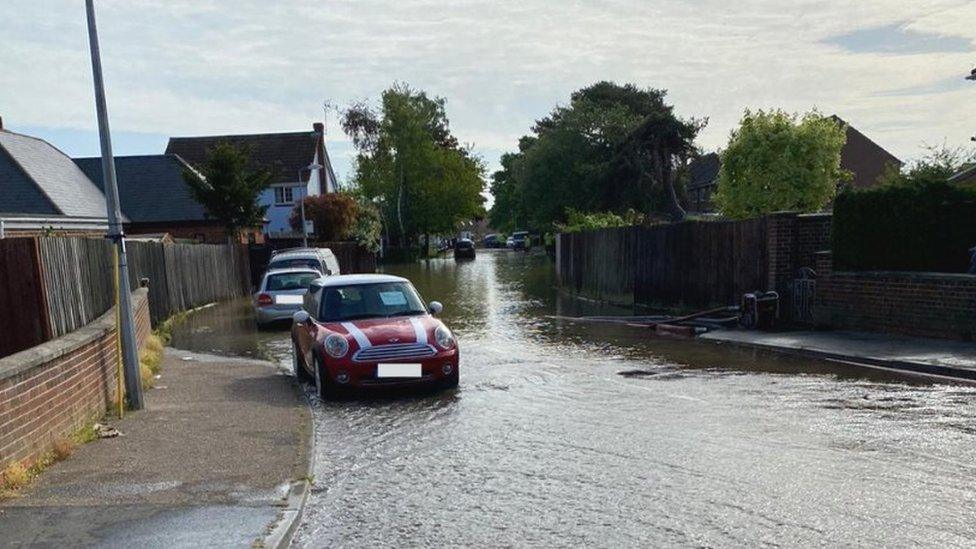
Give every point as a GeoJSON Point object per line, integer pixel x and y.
{"type": "Point", "coordinates": [693, 263]}
{"type": "Point", "coordinates": [52, 286]}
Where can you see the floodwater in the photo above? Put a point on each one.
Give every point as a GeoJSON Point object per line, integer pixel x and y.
{"type": "Point", "coordinates": [563, 434]}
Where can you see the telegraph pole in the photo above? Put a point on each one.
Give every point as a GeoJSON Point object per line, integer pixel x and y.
{"type": "Point", "coordinates": [130, 354]}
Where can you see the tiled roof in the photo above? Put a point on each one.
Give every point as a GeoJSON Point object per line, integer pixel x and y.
{"type": "Point", "coordinates": [37, 178]}
{"type": "Point", "coordinates": [151, 188]}
{"type": "Point", "coordinates": [864, 158]}
{"type": "Point", "coordinates": [283, 154]}
{"type": "Point", "coordinates": [704, 171]}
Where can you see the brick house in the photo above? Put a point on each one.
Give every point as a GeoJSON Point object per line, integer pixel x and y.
{"type": "Point", "coordinates": [865, 159]}
{"type": "Point", "coordinates": [43, 192]}
{"type": "Point", "coordinates": [155, 199]}
{"type": "Point", "coordinates": [287, 156]}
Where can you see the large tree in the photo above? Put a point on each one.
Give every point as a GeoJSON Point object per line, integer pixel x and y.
{"type": "Point", "coordinates": [777, 161]}
{"type": "Point", "coordinates": [407, 158]}
{"type": "Point", "coordinates": [612, 149]}
{"type": "Point", "coordinates": [228, 187]}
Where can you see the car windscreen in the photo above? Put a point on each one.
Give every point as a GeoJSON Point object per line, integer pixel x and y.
{"type": "Point", "coordinates": [295, 263]}
{"type": "Point", "coordinates": [385, 299]}
{"type": "Point", "coordinates": [283, 282]}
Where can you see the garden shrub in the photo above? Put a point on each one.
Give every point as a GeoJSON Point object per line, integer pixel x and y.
{"type": "Point", "coordinates": [928, 227]}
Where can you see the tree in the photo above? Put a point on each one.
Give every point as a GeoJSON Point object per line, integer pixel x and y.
{"type": "Point", "coordinates": [228, 187]}
{"type": "Point", "coordinates": [613, 148]}
{"type": "Point", "coordinates": [776, 161]}
{"type": "Point", "coordinates": [333, 216]}
{"type": "Point", "coordinates": [407, 155]}
{"type": "Point", "coordinates": [937, 165]}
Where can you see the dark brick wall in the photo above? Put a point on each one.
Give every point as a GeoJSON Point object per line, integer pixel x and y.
{"type": "Point", "coordinates": [934, 305]}
{"type": "Point", "coordinates": [54, 399]}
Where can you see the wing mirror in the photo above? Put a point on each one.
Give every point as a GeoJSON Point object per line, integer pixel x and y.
{"type": "Point", "coordinates": [301, 317]}
{"type": "Point", "coordinates": [435, 308]}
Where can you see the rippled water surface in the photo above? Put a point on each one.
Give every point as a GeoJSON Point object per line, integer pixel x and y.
{"type": "Point", "coordinates": [545, 443]}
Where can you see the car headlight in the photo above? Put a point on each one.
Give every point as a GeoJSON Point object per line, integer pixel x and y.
{"type": "Point", "coordinates": [336, 346]}
{"type": "Point", "coordinates": [444, 337]}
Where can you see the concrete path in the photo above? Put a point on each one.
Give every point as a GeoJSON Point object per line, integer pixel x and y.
{"type": "Point", "coordinates": [208, 463]}
{"type": "Point", "coordinates": [931, 357]}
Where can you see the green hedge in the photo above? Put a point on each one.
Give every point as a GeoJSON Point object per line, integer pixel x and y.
{"type": "Point", "coordinates": [919, 228]}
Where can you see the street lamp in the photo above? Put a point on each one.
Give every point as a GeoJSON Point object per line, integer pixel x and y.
{"type": "Point", "coordinates": [311, 168]}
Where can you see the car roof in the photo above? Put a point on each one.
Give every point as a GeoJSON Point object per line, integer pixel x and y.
{"type": "Point", "coordinates": [354, 279]}
{"type": "Point", "coordinates": [301, 252]}
{"type": "Point", "coordinates": [292, 270]}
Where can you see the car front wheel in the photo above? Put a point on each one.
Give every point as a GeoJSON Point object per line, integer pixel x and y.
{"type": "Point", "coordinates": [323, 385]}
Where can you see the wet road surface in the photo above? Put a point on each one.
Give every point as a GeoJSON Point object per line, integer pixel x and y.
{"type": "Point", "coordinates": [565, 435]}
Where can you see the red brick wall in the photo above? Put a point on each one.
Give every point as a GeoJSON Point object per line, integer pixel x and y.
{"type": "Point", "coordinates": [792, 241]}
{"type": "Point", "coordinates": [74, 384]}
{"type": "Point", "coordinates": [917, 304]}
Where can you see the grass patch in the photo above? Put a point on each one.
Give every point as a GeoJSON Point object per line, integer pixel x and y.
{"type": "Point", "coordinates": [18, 475]}
{"type": "Point", "coordinates": [150, 360]}
{"type": "Point", "coordinates": [165, 329]}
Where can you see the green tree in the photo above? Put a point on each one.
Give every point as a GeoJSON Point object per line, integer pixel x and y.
{"type": "Point", "coordinates": [937, 165]}
{"type": "Point", "coordinates": [228, 187]}
{"type": "Point", "coordinates": [408, 156]}
{"type": "Point", "coordinates": [612, 149]}
{"type": "Point", "coordinates": [776, 161]}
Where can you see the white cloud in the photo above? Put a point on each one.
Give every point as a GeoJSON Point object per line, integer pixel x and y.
{"type": "Point", "coordinates": [185, 67]}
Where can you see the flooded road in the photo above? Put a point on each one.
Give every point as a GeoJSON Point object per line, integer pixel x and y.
{"type": "Point", "coordinates": [545, 443]}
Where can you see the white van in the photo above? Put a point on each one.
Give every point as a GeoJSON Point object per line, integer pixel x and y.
{"type": "Point", "coordinates": [320, 259]}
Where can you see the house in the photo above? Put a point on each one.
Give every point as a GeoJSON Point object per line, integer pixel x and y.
{"type": "Point", "coordinates": [287, 156]}
{"type": "Point", "coordinates": [866, 160]}
{"type": "Point", "coordinates": [965, 177]}
{"type": "Point", "coordinates": [43, 192]}
{"type": "Point", "coordinates": [702, 182]}
{"type": "Point", "coordinates": [155, 199]}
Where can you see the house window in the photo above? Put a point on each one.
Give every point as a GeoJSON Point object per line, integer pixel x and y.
{"type": "Point", "coordinates": [283, 195]}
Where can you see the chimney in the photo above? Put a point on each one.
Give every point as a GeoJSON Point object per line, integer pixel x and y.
{"type": "Point", "coordinates": [318, 127]}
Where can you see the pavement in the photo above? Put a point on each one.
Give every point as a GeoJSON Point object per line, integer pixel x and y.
{"type": "Point", "coordinates": [216, 459]}
{"type": "Point", "coordinates": [916, 356]}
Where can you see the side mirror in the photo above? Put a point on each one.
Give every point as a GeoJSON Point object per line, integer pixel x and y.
{"type": "Point", "coordinates": [301, 317]}
{"type": "Point", "coordinates": [435, 308]}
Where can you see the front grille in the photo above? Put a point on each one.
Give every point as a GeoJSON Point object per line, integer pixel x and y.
{"type": "Point", "coordinates": [395, 351]}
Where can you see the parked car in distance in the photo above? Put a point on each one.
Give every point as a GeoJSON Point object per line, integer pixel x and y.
{"type": "Point", "coordinates": [280, 294]}
{"type": "Point", "coordinates": [368, 332]}
{"type": "Point", "coordinates": [493, 241]}
{"type": "Point", "coordinates": [320, 259]}
{"type": "Point", "coordinates": [464, 249]}
{"type": "Point", "coordinates": [521, 240]}
{"type": "Point", "coordinates": [510, 243]}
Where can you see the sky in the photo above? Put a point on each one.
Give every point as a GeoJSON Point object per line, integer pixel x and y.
{"type": "Point", "coordinates": [892, 68]}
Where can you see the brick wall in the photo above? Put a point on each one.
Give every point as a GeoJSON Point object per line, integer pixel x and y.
{"type": "Point", "coordinates": [935, 305]}
{"type": "Point", "coordinates": [50, 391]}
{"type": "Point", "coordinates": [792, 241]}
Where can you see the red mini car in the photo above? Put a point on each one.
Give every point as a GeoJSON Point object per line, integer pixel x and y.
{"type": "Point", "coordinates": [370, 332]}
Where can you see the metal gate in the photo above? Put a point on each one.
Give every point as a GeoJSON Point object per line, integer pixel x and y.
{"type": "Point", "coordinates": [803, 290]}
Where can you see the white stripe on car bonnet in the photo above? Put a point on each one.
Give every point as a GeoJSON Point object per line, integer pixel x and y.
{"type": "Point", "coordinates": [418, 328]}
{"type": "Point", "coordinates": [358, 335]}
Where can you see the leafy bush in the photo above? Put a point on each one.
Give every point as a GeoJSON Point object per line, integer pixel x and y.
{"type": "Point", "coordinates": [578, 221]}
{"type": "Point", "coordinates": [775, 162]}
{"type": "Point", "coordinates": [925, 227]}
{"type": "Point", "coordinates": [333, 216]}
{"type": "Point", "coordinates": [368, 227]}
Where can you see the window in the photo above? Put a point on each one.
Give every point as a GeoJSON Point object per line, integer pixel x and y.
{"type": "Point", "coordinates": [381, 300]}
{"type": "Point", "coordinates": [289, 281]}
{"type": "Point", "coordinates": [283, 195]}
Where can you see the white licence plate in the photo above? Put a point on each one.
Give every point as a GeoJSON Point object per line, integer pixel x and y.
{"type": "Point", "coordinates": [289, 299]}
{"type": "Point", "coordinates": [399, 370]}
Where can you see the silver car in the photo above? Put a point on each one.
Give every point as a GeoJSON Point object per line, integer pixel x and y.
{"type": "Point", "coordinates": [280, 294]}
{"type": "Point", "coordinates": [320, 259]}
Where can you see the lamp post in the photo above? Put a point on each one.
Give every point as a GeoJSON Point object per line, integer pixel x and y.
{"type": "Point", "coordinates": [311, 168]}
{"type": "Point", "coordinates": [130, 354]}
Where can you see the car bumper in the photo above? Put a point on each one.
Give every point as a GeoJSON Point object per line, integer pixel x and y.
{"type": "Point", "coordinates": [268, 315]}
{"type": "Point", "coordinates": [363, 375]}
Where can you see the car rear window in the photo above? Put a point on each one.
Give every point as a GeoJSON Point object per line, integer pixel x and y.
{"type": "Point", "coordinates": [296, 263]}
{"type": "Point", "coordinates": [289, 281]}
